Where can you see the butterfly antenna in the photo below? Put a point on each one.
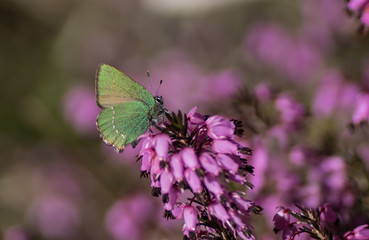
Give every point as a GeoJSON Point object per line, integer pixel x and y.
{"type": "Point", "coordinates": [148, 76]}
{"type": "Point", "coordinates": [161, 81]}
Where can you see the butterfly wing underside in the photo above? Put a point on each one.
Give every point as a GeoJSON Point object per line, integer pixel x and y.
{"type": "Point", "coordinates": [122, 124]}
{"type": "Point", "coordinates": [114, 87]}
{"type": "Point", "coordinates": [126, 107]}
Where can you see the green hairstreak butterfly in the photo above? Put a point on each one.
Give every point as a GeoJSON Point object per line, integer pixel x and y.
{"type": "Point", "coordinates": [128, 107]}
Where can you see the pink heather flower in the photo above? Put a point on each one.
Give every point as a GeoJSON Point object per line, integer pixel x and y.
{"type": "Point", "coordinates": [217, 210]}
{"type": "Point", "coordinates": [161, 143]}
{"type": "Point", "coordinates": [359, 233]}
{"type": "Point", "coordinates": [327, 214]}
{"type": "Point", "coordinates": [173, 196]}
{"type": "Point", "coordinates": [228, 163]}
{"type": "Point", "coordinates": [201, 158]}
{"type": "Point", "coordinates": [166, 182]}
{"type": "Point", "coordinates": [219, 127]}
{"type": "Point", "coordinates": [361, 112]}
{"type": "Point", "coordinates": [190, 219]}
{"type": "Point", "coordinates": [193, 180]}
{"type": "Point", "coordinates": [213, 185]}
{"type": "Point", "coordinates": [224, 146]}
{"type": "Point", "coordinates": [194, 118]}
{"type": "Point", "coordinates": [189, 158]}
{"type": "Point", "coordinates": [282, 219]}
{"type": "Point", "coordinates": [176, 165]}
{"type": "Point", "coordinates": [210, 164]}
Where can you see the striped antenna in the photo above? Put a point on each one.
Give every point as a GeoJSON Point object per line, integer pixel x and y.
{"type": "Point", "coordinates": [148, 76]}
{"type": "Point", "coordinates": [161, 81]}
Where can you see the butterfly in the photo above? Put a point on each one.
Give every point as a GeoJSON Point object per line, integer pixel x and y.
{"type": "Point", "coordinates": [128, 109]}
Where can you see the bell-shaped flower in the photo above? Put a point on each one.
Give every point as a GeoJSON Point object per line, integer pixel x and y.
{"type": "Point", "coordinates": [228, 163]}
{"type": "Point", "coordinates": [166, 181]}
{"type": "Point", "coordinates": [195, 118]}
{"type": "Point", "coordinates": [219, 127]}
{"type": "Point", "coordinates": [161, 145]}
{"type": "Point", "coordinates": [146, 160]}
{"type": "Point", "coordinates": [173, 196]}
{"type": "Point", "coordinates": [190, 219]}
{"type": "Point", "coordinates": [224, 146]}
{"type": "Point", "coordinates": [282, 219]}
{"type": "Point", "coordinates": [217, 210]}
{"type": "Point", "coordinates": [327, 214]}
{"type": "Point", "coordinates": [189, 158]}
{"type": "Point", "coordinates": [213, 185]}
{"type": "Point", "coordinates": [193, 180]}
{"type": "Point", "coordinates": [176, 165]}
{"type": "Point", "coordinates": [209, 164]}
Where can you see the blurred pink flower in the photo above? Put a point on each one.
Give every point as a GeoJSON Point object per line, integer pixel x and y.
{"type": "Point", "coordinates": [361, 113]}
{"type": "Point", "coordinates": [127, 218]}
{"type": "Point", "coordinates": [270, 44]}
{"type": "Point", "coordinates": [327, 214]}
{"type": "Point", "coordinates": [290, 110]}
{"type": "Point", "coordinates": [221, 85]}
{"type": "Point", "coordinates": [259, 160]}
{"type": "Point", "coordinates": [263, 92]}
{"type": "Point", "coordinates": [181, 86]}
{"type": "Point", "coordinates": [15, 233]}
{"type": "Point", "coordinates": [55, 217]}
{"type": "Point", "coordinates": [80, 109]}
{"type": "Point", "coordinates": [361, 9]}
{"type": "Point", "coordinates": [333, 95]}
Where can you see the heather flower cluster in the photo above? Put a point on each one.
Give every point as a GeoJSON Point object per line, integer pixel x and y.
{"type": "Point", "coordinates": [361, 9]}
{"type": "Point", "coordinates": [192, 163]}
{"type": "Point", "coordinates": [320, 223]}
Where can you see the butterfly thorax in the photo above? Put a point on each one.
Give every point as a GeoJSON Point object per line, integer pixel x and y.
{"type": "Point", "coordinates": [156, 114]}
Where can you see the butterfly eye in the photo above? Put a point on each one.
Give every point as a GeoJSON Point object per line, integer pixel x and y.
{"type": "Point", "coordinates": [159, 100]}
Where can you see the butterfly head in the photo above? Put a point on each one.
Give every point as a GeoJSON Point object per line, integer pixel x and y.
{"type": "Point", "coordinates": [159, 100]}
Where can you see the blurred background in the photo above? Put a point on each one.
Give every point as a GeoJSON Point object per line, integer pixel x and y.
{"type": "Point", "coordinates": [291, 70]}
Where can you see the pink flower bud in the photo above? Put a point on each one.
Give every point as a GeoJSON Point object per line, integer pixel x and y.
{"type": "Point", "coordinates": [174, 195]}
{"type": "Point", "coordinates": [193, 180]}
{"type": "Point", "coordinates": [166, 181]}
{"type": "Point", "coordinates": [195, 118]}
{"type": "Point", "coordinates": [282, 219]}
{"type": "Point", "coordinates": [176, 166]}
{"type": "Point", "coordinates": [228, 163]}
{"type": "Point", "coordinates": [190, 219]}
{"type": "Point", "coordinates": [209, 164]}
{"type": "Point", "coordinates": [327, 214]}
{"type": "Point", "coordinates": [219, 127]}
{"type": "Point", "coordinates": [219, 211]}
{"type": "Point", "coordinates": [224, 146]}
{"type": "Point", "coordinates": [189, 158]}
{"type": "Point", "coordinates": [213, 185]}
{"type": "Point", "coordinates": [161, 144]}
{"type": "Point", "coordinates": [146, 161]}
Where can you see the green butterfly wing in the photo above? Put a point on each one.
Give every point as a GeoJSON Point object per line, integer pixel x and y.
{"type": "Point", "coordinates": [122, 124]}
{"type": "Point", "coordinates": [127, 107]}
{"type": "Point", "coordinates": [114, 87]}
